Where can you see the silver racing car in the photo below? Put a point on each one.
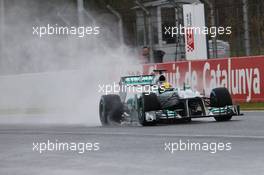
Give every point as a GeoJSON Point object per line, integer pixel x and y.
{"type": "Point", "coordinates": [152, 100]}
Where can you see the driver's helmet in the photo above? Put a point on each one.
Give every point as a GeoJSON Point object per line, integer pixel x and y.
{"type": "Point", "coordinates": [162, 82]}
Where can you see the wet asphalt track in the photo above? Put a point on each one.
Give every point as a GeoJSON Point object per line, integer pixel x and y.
{"type": "Point", "coordinates": [136, 150]}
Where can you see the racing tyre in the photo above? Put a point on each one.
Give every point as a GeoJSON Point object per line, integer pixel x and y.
{"type": "Point", "coordinates": [220, 97]}
{"type": "Point", "coordinates": [148, 102]}
{"type": "Point", "coordinates": [110, 110]}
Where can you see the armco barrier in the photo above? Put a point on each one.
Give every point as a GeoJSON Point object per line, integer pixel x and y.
{"type": "Point", "coordinates": [243, 76]}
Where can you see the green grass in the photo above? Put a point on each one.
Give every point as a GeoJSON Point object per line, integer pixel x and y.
{"type": "Point", "coordinates": [252, 106]}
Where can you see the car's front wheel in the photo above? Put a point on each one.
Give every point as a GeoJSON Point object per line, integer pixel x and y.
{"type": "Point", "coordinates": [220, 97]}
{"type": "Point", "coordinates": [147, 102]}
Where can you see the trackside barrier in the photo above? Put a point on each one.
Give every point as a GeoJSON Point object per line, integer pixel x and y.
{"type": "Point", "coordinates": [243, 76]}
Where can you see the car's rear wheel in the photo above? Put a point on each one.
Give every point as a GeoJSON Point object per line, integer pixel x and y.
{"type": "Point", "coordinates": [110, 110]}
{"type": "Point", "coordinates": [220, 97]}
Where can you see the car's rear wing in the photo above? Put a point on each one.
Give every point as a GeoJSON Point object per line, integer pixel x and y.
{"type": "Point", "coordinates": [138, 80]}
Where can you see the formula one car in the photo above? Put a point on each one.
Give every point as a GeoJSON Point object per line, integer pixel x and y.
{"type": "Point", "coordinates": [152, 100]}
